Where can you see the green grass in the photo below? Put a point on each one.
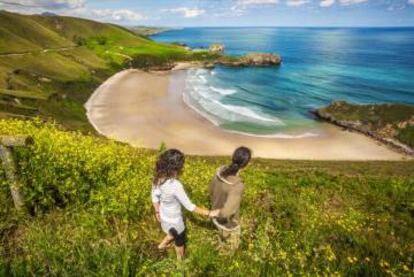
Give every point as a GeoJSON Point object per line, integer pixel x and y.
{"type": "Point", "coordinates": [23, 94]}
{"type": "Point", "coordinates": [92, 214]}
{"type": "Point", "coordinates": [377, 115]}
{"type": "Point", "coordinates": [389, 120]}
{"type": "Point", "coordinates": [24, 33]}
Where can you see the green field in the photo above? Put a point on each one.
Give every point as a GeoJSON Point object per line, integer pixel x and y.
{"type": "Point", "coordinates": [90, 214]}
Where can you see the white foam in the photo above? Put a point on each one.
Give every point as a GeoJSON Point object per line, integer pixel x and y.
{"type": "Point", "coordinates": [207, 101]}
{"type": "Point", "coordinates": [187, 101]}
{"type": "Point", "coordinates": [278, 135]}
{"type": "Point", "coordinates": [203, 79]}
{"type": "Point", "coordinates": [249, 113]}
{"type": "Point", "coordinates": [223, 91]}
{"type": "Point", "coordinates": [269, 136]}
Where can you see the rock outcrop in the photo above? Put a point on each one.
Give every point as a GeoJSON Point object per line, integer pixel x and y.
{"type": "Point", "coordinates": [252, 59]}
{"type": "Point", "coordinates": [262, 59]}
{"type": "Point", "coordinates": [391, 124]}
{"type": "Point", "coordinates": [216, 48]}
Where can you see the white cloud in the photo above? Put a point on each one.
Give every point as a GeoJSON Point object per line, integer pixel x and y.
{"type": "Point", "coordinates": [246, 3]}
{"type": "Point", "coordinates": [352, 2]}
{"type": "Point", "coordinates": [46, 4]}
{"type": "Point", "coordinates": [115, 15]}
{"type": "Point", "coordinates": [72, 8]}
{"type": "Point", "coordinates": [186, 12]}
{"type": "Point", "coordinates": [240, 6]}
{"type": "Point", "coordinates": [411, 2]}
{"type": "Point", "coordinates": [328, 3]}
{"type": "Point", "coordinates": [296, 3]}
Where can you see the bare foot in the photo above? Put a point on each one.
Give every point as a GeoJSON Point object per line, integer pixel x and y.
{"type": "Point", "coordinates": [165, 242]}
{"type": "Point", "coordinates": [164, 245]}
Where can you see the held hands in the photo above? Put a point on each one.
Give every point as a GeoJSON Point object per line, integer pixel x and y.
{"type": "Point", "coordinates": [214, 213]}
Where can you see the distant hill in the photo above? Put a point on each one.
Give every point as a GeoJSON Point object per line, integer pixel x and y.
{"type": "Point", "coordinates": [50, 64]}
{"type": "Point", "coordinates": [147, 31]}
{"type": "Point", "coordinates": [20, 33]}
{"type": "Point", "coordinates": [48, 14]}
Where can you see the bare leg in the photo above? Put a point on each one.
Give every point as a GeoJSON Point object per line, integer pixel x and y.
{"type": "Point", "coordinates": [165, 242]}
{"type": "Point", "coordinates": [180, 251]}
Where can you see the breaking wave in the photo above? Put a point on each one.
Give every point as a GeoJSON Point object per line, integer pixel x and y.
{"type": "Point", "coordinates": [208, 101]}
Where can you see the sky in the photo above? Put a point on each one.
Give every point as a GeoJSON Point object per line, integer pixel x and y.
{"type": "Point", "coordinates": [185, 13]}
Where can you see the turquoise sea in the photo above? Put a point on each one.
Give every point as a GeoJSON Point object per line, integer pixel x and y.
{"type": "Point", "coordinates": [359, 65]}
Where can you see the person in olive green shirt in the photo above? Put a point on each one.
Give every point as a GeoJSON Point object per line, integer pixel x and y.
{"type": "Point", "coordinates": [226, 192]}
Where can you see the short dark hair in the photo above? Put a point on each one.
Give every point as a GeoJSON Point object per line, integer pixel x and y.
{"type": "Point", "coordinates": [241, 157]}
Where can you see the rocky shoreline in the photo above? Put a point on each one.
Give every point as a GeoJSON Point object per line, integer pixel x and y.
{"type": "Point", "coordinates": [372, 121]}
{"type": "Point", "coordinates": [249, 60]}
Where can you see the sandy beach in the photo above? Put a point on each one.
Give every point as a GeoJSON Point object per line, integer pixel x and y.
{"type": "Point", "coordinates": [145, 109]}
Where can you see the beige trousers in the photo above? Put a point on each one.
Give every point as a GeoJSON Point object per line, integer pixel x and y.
{"type": "Point", "coordinates": [230, 240]}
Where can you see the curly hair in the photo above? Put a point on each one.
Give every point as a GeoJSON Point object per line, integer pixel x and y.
{"type": "Point", "coordinates": [169, 165]}
{"type": "Point", "coordinates": [241, 157]}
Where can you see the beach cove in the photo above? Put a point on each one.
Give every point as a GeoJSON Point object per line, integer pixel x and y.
{"type": "Point", "coordinates": [146, 109]}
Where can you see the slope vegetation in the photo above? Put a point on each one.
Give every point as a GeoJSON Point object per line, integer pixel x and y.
{"type": "Point", "coordinates": [91, 214]}
{"type": "Point", "coordinates": [390, 123]}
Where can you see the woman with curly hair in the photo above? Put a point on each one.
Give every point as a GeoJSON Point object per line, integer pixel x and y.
{"type": "Point", "coordinates": [168, 195]}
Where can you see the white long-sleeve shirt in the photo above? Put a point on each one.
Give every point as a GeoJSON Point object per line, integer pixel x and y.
{"type": "Point", "coordinates": [171, 195]}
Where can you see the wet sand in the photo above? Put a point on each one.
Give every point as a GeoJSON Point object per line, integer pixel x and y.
{"type": "Point", "coordinates": [145, 109]}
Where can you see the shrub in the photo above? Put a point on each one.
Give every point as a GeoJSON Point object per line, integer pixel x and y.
{"type": "Point", "coordinates": [79, 40]}
{"type": "Point", "coordinates": [101, 40]}
{"type": "Point", "coordinates": [94, 214]}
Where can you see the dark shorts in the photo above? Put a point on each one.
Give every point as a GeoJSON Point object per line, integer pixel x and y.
{"type": "Point", "coordinates": [179, 239]}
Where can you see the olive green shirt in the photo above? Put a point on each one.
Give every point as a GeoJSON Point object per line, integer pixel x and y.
{"type": "Point", "coordinates": [226, 194]}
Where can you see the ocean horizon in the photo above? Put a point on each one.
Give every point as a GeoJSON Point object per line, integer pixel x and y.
{"type": "Point", "coordinates": [320, 64]}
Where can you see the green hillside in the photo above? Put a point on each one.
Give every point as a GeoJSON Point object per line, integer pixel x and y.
{"type": "Point", "coordinates": [91, 214]}
{"type": "Point", "coordinates": [64, 59]}
{"type": "Point", "coordinates": [393, 123]}
{"type": "Point", "coordinates": [147, 31]}
{"type": "Point", "coordinates": [24, 33]}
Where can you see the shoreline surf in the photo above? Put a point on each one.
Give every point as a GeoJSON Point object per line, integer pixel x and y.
{"type": "Point", "coordinates": [146, 109]}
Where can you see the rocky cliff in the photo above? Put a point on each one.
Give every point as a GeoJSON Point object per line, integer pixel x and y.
{"type": "Point", "coordinates": [252, 59]}
{"type": "Point", "coordinates": [392, 124]}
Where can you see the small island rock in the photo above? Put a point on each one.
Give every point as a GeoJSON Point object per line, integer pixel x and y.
{"type": "Point", "coordinates": [216, 48]}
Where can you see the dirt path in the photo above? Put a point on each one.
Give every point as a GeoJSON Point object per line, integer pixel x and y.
{"type": "Point", "coordinates": [45, 50]}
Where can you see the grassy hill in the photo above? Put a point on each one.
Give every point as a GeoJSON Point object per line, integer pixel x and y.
{"type": "Point", "coordinates": [63, 59]}
{"type": "Point", "coordinates": [389, 123]}
{"type": "Point", "coordinates": [147, 31]}
{"type": "Point", "coordinates": [91, 214]}
{"type": "Point", "coordinates": [24, 33]}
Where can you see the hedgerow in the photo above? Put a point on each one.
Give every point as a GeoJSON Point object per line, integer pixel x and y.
{"type": "Point", "coordinates": [91, 214]}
